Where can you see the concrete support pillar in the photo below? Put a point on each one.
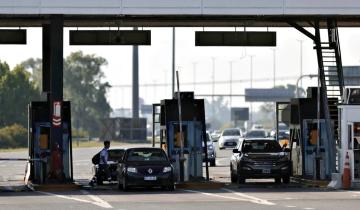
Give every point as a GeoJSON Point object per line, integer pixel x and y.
{"type": "Point", "coordinates": [53, 64]}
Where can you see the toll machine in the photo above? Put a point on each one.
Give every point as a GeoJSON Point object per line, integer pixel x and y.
{"type": "Point", "coordinates": [194, 134]}
{"type": "Point", "coordinates": [40, 146]}
{"type": "Point", "coordinates": [311, 159]}
{"type": "Point", "coordinates": [350, 134]}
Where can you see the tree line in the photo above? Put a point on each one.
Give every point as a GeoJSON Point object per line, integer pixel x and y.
{"type": "Point", "coordinates": [83, 86]}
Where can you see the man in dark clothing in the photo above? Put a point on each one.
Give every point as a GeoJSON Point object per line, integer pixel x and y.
{"type": "Point", "coordinates": [104, 156]}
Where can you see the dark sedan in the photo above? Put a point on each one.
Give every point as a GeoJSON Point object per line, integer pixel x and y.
{"type": "Point", "coordinates": [260, 158]}
{"type": "Point", "coordinates": [145, 167]}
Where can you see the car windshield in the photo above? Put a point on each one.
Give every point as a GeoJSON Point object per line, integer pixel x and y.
{"type": "Point", "coordinates": [116, 155]}
{"type": "Point", "coordinates": [146, 155]}
{"type": "Point", "coordinates": [261, 146]}
{"type": "Point", "coordinates": [233, 132]}
{"type": "Point", "coordinates": [256, 134]}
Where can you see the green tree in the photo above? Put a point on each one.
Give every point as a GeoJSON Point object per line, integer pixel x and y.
{"type": "Point", "coordinates": [16, 91]}
{"type": "Point", "coordinates": [83, 86]}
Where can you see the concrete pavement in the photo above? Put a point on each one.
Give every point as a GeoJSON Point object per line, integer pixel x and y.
{"type": "Point", "coordinates": [255, 194]}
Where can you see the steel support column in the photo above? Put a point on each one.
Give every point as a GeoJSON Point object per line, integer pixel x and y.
{"type": "Point", "coordinates": [135, 82]}
{"type": "Point", "coordinates": [55, 62]}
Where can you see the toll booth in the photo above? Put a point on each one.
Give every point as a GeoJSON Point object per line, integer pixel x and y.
{"type": "Point", "coordinates": [40, 145]}
{"type": "Point", "coordinates": [350, 134]}
{"type": "Point", "coordinates": [194, 134]}
{"type": "Point", "coordinates": [310, 158]}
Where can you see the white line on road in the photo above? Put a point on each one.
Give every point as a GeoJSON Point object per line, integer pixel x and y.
{"type": "Point", "coordinates": [243, 196]}
{"type": "Point", "coordinates": [251, 198]}
{"type": "Point", "coordinates": [96, 202]}
{"type": "Point", "coordinates": [308, 208]}
{"type": "Point", "coordinates": [215, 195]}
{"type": "Point", "coordinates": [290, 206]}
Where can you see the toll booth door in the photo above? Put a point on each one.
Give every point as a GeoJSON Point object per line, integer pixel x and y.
{"type": "Point", "coordinates": [355, 150]}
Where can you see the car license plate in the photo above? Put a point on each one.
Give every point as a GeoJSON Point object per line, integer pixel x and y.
{"type": "Point", "coordinates": [266, 171]}
{"type": "Point", "coordinates": [150, 178]}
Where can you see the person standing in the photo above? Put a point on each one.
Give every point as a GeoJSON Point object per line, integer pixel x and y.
{"type": "Point", "coordinates": [103, 164]}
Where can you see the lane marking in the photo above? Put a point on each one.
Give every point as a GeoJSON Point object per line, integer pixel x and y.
{"type": "Point", "coordinates": [243, 196]}
{"type": "Point", "coordinates": [250, 198]}
{"type": "Point", "coordinates": [215, 195]}
{"type": "Point", "coordinates": [290, 206]}
{"type": "Point", "coordinates": [308, 208]}
{"type": "Point", "coordinates": [65, 197]}
{"type": "Point", "coordinates": [98, 202]}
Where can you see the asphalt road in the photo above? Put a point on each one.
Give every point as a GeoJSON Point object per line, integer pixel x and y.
{"type": "Point", "coordinates": [255, 194]}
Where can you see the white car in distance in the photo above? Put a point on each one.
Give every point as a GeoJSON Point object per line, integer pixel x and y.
{"type": "Point", "coordinates": [229, 138]}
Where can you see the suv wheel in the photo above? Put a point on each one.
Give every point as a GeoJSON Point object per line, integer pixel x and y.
{"type": "Point", "coordinates": [241, 180]}
{"type": "Point", "coordinates": [278, 180]}
{"type": "Point", "coordinates": [124, 185]}
{"type": "Point", "coordinates": [213, 163]}
{"type": "Point", "coordinates": [286, 179]}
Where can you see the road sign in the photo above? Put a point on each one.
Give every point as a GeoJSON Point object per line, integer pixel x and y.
{"type": "Point", "coordinates": [56, 118]}
{"type": "Point", "coordinates": [268, 95]}
{"type": "Point", "coordinates": [239, 113]}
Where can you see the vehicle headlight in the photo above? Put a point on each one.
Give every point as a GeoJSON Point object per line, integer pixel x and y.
{"type": "Point", "coordinates": [166, 169]}
{"type": "Point", "coordinates": [210, 147]}
{"type": "Point", "coordinates": [132, 170]}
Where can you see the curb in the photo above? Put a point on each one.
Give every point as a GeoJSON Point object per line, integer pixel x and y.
{"type": "Point", "coordinates": [311, 183]}
{"type": "Point", "coordinates": [55, 187]}
{"type": "Point", "coordinates": [200, 185]}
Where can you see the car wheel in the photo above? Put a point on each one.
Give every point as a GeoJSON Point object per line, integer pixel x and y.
{"type": "Point", "coordinates": [233, 178]}
{"type": "Point", "coordinates": [118, 184]}
{"type": "Point", "coordinates": [213, 163]}
{"type": "Point", "coordinates": [171, 187]}
{"type": "Point", "coordinates": [241, 180]}
{"type": "Point", "coordinates": [99, 181]}
{"type": "Point", "coordinates": [221, 148]}
{"type": "Point", "coordinates": [124, 185]}
{"type": "Point", "coordinates": [286, 179]}
{"type": "Point", "coordinates": [277, 180]}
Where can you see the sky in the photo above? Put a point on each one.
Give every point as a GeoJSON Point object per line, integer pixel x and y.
{"type": "Point", "coordinates": [155, 62]}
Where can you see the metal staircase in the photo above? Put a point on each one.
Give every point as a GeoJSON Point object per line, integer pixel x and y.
{"type": "Point", "coordinates": [331, 74]}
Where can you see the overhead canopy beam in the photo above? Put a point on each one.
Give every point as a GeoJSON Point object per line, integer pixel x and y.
{"type": "Point", "coordinates": [302, 30]}
{"type": "Point", "coordinates": [179, 20]}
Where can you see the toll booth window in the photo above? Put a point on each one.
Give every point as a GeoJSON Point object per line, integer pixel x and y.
{"type": "Point", "coordinates": [177, 140]}
{"type": "Point", "coordinates": [44, 138]}
{"type": "Point", "coordinates": [356, 135]}
{"type": "Point", "coordinates": [349, 137]}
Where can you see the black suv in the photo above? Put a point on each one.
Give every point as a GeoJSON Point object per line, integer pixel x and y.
{"type": "Point", "coordinates": [260, 158]}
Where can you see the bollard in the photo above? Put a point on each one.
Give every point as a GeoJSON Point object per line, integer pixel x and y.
{"type": "Point", "coordinates": [346, 173]}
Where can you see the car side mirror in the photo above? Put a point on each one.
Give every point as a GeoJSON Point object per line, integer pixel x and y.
{"type": "Point", "coordinates": [236, 151]}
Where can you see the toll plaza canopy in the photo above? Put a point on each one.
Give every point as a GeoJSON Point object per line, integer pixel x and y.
{"type": "Point", "coordinates": [178, 12]}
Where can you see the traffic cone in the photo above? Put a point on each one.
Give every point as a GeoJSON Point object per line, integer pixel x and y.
{"type": "Point", "coordinates": [346, 173]}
